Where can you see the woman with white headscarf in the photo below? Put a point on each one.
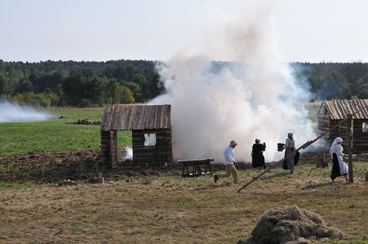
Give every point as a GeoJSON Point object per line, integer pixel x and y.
{"type": "Point", "coordinates": [339, 167]}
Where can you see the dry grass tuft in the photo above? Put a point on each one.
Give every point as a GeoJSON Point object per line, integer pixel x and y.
{"type": "Point", "coordinates": [282, 225]}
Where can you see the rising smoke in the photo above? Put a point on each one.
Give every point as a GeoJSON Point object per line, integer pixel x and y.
{"type": "Point", "coordinates": [12, 112]}
{"type": "Point", "coordinates": [253, 96]}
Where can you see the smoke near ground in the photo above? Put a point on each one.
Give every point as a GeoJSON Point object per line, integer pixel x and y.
{"type": "Point", "coordinates": [12, 112]}
{"type": "Point", "coordinates": [253, 96]}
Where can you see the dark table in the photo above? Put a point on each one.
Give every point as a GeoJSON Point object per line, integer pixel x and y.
{"type": "Point", "coordinates": [196, 167]}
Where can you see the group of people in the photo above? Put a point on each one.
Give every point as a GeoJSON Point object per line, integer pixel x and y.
{"type": "Point", "coordinates": [339, 167]}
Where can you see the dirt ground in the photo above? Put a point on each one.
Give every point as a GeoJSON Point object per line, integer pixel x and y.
{"type": "Point", "coordinates": [51, 167]}
{"type": "Point", "coordinates": [166, 208]}
{"type": "Point", "coordinates": [43, 167]}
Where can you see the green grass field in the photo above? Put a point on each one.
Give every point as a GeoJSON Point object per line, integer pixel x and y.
{"type": "Point", "coordinates": [57, 134]}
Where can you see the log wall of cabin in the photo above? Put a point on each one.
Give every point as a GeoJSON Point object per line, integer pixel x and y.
{"type": "Point", "coordinates": [158, 155]}
{"type": "Point", "coordinates": [339, 131]}
{"type": "Point", "coordinates": [359, 140]}
{"type": "Point", "coordinates": [324, 126]}
{"type": "Point", "coordinates": [109, 147]}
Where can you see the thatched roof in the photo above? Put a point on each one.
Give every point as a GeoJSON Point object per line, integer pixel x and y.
{"type": "Point", "coordinates": [135, 117]}
{"type": "Point", "coordinates": [339, 109]}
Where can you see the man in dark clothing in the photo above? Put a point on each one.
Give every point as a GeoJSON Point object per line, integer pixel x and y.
{"type": "Point", "coordinates": [257, 154]}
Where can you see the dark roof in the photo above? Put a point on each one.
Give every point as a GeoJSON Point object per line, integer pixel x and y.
{"type": "Point", "coordinates": [339, 109]}
{"type": "Point", "coordinates": [135, 117]}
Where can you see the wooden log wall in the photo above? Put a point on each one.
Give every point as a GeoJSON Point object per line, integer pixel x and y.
{"type": "Point", "coordinates": [324, 126]}
{"type": "Point", "coordinates": [338, 111]}
{"type": "Point", "coordinates": [359, 140]}
{"type": "Point", "coordinates": [339, 131]}
{"type": "Point", "coordinates": [158, 155]}
{"type": "Point", "coordinates": [109, 148]}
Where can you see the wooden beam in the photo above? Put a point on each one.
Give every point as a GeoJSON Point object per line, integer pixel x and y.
{"type": "Point", "coordinates": [349, 128]}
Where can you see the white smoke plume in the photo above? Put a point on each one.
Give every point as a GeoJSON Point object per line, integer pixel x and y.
{"type": "Point", "coordinates": [12, 112]}
{"type": "Point", "coordinates": [254, 96]}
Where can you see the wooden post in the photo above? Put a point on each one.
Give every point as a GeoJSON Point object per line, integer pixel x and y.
{"type": "Point", "coordinates": [350, 121]}
{"type": "Point", "coordinates": [100, 177]}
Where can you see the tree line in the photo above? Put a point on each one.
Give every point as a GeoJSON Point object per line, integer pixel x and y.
{"type": "Point", "coordinates": [70, 83]}
{"type": "Point", "coordinates": [334, 80]}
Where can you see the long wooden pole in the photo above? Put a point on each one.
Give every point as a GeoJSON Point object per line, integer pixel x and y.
{"type": "Point", "coordinates": [350, 121]}
{"type": "Point", "coordinates": [304, 146]}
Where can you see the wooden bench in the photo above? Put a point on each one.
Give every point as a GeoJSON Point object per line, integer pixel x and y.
{"type": "Point", "coordinates": [198, 167]}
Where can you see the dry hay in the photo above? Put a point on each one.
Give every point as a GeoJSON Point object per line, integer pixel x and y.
{"type": "Point", "coordinates": [291, 225]}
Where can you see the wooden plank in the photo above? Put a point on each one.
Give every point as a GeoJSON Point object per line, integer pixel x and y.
{"type": "Point", "coordinates": [103, 118]}
{"type": "Point", "coordinates": [105, 124]}
{"type": "Point", "coordinates": [168, 117]}
{"type": "Point", "coordinates": [123, 119]}
{"type": "Point", "coordinates": [148, 117]}
{"type": "Point", "coordinates": [135, 117]}
{"type": "Point", "coordinates": [154, 122]}
{"type": "Point", "coordinates": [115, 146]}
{"type": "Point", "coordinates": [111, 116]}
{"type": "Point", "coordinates": [115, 118]}
{"type": "Point", "coordinates": [120, 117]}
{"type": "Point", "coordinates": [132, 114]}
{"type": "Point", "coordinates": [339, 109]}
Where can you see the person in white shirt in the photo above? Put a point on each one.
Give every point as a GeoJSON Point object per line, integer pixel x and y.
{"type": "Point", "coordinates": [229, 163]}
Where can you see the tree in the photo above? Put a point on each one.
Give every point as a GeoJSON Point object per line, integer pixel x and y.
{"type": "Point", "coordinates": [361, 87]}
{"type": "Point", "coordinates": [80, 90]}
{"type": "Point", "coordinates": [136, 90]}
{"type": "Point", "coordinates": [25, 86]}
{"type": "Point", "coordinates": [2, 84]}
{"type": "Point", "coordinates": [126, 95]}
{"type": "Point", "coordinates": [334, 85]}
{"type": "Point", "coordinates": [315, 81]}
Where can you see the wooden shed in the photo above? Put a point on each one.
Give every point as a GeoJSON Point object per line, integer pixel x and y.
{"type": "Point", "coordinates": [151, 133]}
{"type": "Point", "coordinates": [331, 113]}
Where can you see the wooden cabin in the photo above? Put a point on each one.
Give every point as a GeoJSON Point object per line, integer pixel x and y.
{"type": "Point", "coordinates": [151, 133]}
{"type": "Point", "coordinates": [331, 113]}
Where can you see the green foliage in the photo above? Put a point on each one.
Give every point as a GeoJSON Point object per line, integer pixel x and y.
{"type": "Point", "coordinates": [34, 99]}
{"type": "Point", "coordinates": [126, 95]}
{"type": "Point", "coordinates": [2, 84]}
{"type": "Point", "coordinates": [335, 80]}
{"type": "Point", "coordinates": [315, 82]}
{"type": "Point", "coordinates": [126, 81]}
{"type": "Point", "coordinates": [80, 83]}
{"type": "Point", "coordinates": [334, 85]}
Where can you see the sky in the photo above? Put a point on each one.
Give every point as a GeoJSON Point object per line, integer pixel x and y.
{"type": "Point", "coordinates": [95, 30]}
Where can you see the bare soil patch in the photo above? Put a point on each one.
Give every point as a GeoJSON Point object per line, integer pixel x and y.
{"type": "Point", "coordinates": [44, 167]}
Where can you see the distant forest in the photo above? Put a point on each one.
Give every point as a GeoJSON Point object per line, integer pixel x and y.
{"type": "Point", "coordinates": [82, 84]}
